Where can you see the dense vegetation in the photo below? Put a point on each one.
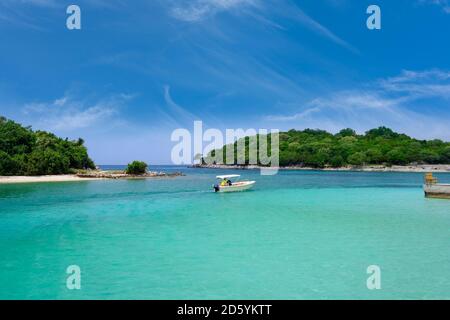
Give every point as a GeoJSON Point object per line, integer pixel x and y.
{"type": "Point", "coordinates": [136, 167]}
{"type": "Point", "coordinates": [27, 152]}
{"type": "Point", "coordinates": [381, 146]}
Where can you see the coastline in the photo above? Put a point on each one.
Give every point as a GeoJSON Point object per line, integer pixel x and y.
{"type": "Point", "coordinates": [82, 177]}
{"type": "Point", "coordinates": [435, 168]}
{"type": "Point", "coordinates": [50, 178]}
{"type": "Point", "coordinates": [438, 168]}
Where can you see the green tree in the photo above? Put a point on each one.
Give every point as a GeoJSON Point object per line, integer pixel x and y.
{"type": "Point", "coordinates": [346, 133]}
{"type": "Point", "coordinates": [357, 159]}
{"type": "Point", "coordinates": [136, 167]}
{"type": "Point", "coordinates": [27, 152]}
{"type": "Point", "coordinates": [318, 148]}
{"type": "Point", "coordinates": [396, 156]}
{"type": "Point", "coordinates": [6, 164]}
{"type": "Point", "coordinates": [381, 132]}
{"type": "Point", "coordinates": [46, 162]}
{"type": "Point", "coordinates": [337, 161]}
{"type": "Point", "coordinates": [374, 156]}
{"type": "Point", "coordinates": [445, 156]}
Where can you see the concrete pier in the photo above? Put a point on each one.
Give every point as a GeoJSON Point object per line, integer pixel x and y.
{"type": "Point", "coordinates": [433, 189]}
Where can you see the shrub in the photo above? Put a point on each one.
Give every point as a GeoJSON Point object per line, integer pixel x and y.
{"type": "Point", "coordinates": [136, 167]}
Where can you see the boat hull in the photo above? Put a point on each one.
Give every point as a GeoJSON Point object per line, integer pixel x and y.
{"type": "Point", "coordinates": [441, 191]}
{"type": "Point", "coordinates": [237, 186]}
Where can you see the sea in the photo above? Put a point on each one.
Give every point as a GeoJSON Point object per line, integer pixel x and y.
{"type": "Point", "coordinates": [295, 235]}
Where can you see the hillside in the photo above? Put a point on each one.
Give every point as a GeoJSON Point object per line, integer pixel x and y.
{"type": "Point", "coordinates": [380, 146]}
{"type": "Point", "coordinates": [27, 152]}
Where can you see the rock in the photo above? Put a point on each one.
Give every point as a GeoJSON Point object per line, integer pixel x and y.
{"type": "Point", "coordinates": [115, 175]}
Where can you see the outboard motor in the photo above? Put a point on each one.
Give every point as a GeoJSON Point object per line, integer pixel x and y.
{"type": "Point", "coordinates": [216, 188]}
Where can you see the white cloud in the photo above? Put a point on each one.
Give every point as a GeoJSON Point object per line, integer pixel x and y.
{"type": "Point", "coordinates": [298, 116]}
{"type": "Point", "coordinates": [408, 102]}
{"type": "Point", "coordinates": [81, 119]}
{"type": "Point", "coordinates": [197, 10]}
{"type": "Point", "coordinates": [444, 4]}
{"type": "Point", "coordinates": [430, 83]}
{"type": "Point", "coordinates": [175, 113]}
{"type": "Point", "coordinates": [68, 113]}
{"type": "Point", "coordinates": [20, 12]}
{"type": "Point", "coordinates": [356, 99]}
{"type": "Point", "coordinates": [317, 27]}
{"type": "Point", "coordinates": [40, 3]}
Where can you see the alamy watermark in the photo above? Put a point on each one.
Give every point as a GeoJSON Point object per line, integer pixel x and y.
{"type": "Point", "coordinates": [374, 280]}
{"type": "Point", "coordinates": [249, 147]}
{"type": "Point", "coordinates": [73, 281]}
{"type": "Point", "coordinates": [73, 21]}
{"type": "Point", "coordinates": [374, 20]}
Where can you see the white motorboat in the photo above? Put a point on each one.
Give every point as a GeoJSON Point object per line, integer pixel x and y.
{"type": "Point", "coordinates": [229, 183]}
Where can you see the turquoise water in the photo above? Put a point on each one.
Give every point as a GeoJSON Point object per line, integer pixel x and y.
{"type": "Point", "coordinates": [297, 235]}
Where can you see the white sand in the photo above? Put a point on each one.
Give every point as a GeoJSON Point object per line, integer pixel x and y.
{"type": "Point", "coordinates": [55, 178]}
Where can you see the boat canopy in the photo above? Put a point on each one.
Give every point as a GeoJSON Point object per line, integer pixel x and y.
{"type": "Point", "coordinates": [228, 176]}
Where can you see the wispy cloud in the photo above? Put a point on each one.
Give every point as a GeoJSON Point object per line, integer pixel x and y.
{"type": "Point", "coordinates": [174, 111]}
{"type": "Point", "coordinates": [425, 84]}
{"type": "Point", "coordinates": [28, 13]}
{"type": "Point", "coordinates": [343, 104]}
{"type": "Point", "coordinates": [265, 12]}
{"type": "Point", "coordinates": [408, 102]}
{"type": "Point", "coordinates": [298, 14]}
{"type": "Point", "coordinates": [297, 116]}
{"type": "Point", "coordinates": [20, 12]}
{"type": "Point", "coordinates": [40, 3]}
{"type": "Point", "coordinates": [444, 4]}
{"type": "Point", "coordinates": [196, 10]}
{"type": "Point", "coordinates": [68, 113]}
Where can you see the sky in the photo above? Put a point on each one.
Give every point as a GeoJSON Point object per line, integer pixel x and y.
{"type": "Point", "coordinates": [136, 71]}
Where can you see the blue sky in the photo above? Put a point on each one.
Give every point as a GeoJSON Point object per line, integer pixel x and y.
{"type": "Point", "coordinates": [135, 72]}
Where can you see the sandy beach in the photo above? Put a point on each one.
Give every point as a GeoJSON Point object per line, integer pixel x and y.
{"type": "Point", "coordinates": [94, 175]}
{"type": "Point", "coordinates": [52, 178]}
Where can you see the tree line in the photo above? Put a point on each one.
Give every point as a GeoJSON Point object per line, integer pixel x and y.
{"type": "Point", "coordinates": [27, 152]}
{"type": "Point", "coordinates": [380, 146]}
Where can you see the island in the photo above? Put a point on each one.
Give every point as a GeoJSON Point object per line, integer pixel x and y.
{"type": "Point", "coordinates": [379, 149]}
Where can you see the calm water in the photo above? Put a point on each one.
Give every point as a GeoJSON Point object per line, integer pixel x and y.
{"type": "Point", "coordinates": [297, 235]}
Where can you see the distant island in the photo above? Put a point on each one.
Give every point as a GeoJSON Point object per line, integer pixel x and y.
{"type": "Point", "coordinates": [377, 148]}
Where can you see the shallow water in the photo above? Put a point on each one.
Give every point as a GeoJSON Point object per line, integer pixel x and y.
{"type": "Point", "coordinates": [296, 235]}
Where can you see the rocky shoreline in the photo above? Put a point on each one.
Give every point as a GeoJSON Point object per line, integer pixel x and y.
{"type": "Point", "coordinates": [375, 168]}
{"type": "Point", "coordinates": [122, 175]}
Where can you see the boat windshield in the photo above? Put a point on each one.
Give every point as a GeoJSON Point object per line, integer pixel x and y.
{"type": "Point", "coordinates": [230, 176]}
